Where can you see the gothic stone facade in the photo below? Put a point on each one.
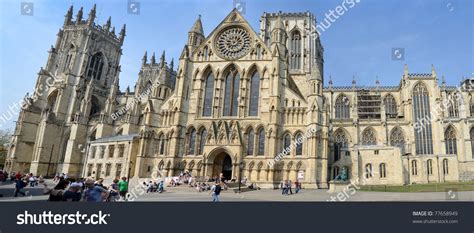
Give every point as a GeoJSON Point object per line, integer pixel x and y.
{"type": "Point", "coordinates": [236, 100]}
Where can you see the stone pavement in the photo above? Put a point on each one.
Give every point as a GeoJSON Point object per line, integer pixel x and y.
{"type": "Point", "coordinates": [180, 194]}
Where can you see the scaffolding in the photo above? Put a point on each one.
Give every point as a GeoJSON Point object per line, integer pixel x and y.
{"type": "Point", "coordinates": [368, 104]}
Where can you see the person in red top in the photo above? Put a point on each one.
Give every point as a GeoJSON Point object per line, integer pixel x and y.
{"type": "Point", "coordinates": [297, 186]}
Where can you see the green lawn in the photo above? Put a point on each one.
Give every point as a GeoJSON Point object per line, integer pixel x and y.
{"type": "Point", "coordinates": [433, 187]}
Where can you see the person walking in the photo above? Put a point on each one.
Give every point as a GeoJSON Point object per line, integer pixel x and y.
{"type": "Point", "coordinates": [297, 186]}
{"type": "Point", "coordinates": [216, 192]}
{"type": "Point", "coordinates": [19, 185]}
{"type": "Point", "coordinates": [289, 187]}
{"type": "Point", "coordinates": [123, 188]}
{"type": "Point", "coordinates": [161, 186]}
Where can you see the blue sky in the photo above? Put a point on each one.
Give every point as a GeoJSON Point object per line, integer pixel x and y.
{"type": "Point", "coordinates": [359, 43]}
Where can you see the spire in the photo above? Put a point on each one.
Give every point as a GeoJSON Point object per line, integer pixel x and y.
{"type": "Point", "coordinates": [196, 34]}
{"type": "Point", "coordinates": [162, 59]}
{"type": "Point", "coordinates": [353, 81]}
{"type": "Point", "coordinates": [153, 60]}
{"type": "Point", "coordinates": [113, 30]}
{"type": "Point", "coordinates": [330, 81]}
{"type": "Point", "coordinates": [172, 64]}
{"type": "Point", "coordinates": [377, 81]}
{"type": "Point", "coordinates": [443, 82]}
{"type": "Point", "coordinates": [405, 70]}
{"type": "Point", "coordinates": [433, 71]}
{"type": "Point", "coordinates": [144, 59]}
{"type": "Point", "coordinates": [68, 16]}
{"type": "Point", "coordinates": [122, 33]}
{"type": "Point", "coordinates": [91, 18]}
{"type": "Point", "coordinates": [79, 16]}
{"type": "Point", "coordinates": [108, 23]}
{"type": "Point", "coordinates": [197, 27]}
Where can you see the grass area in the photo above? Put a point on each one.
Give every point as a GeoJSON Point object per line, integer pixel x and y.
{"type": "Point", "coordinates": [433, 187]}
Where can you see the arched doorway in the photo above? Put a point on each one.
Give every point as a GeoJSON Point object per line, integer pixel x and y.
{"type": "Point", "coordinates": [222, 164]}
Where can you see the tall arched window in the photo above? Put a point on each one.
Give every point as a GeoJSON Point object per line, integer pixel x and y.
{"type": "Point", "coordinates": [422, 115]}
{"type": "Point", "coordinates": [299, 144]}
{"type": "Point", "coordinates": [397, 139]}
{"type": "Point", "coordinates": [231, 92]}
{"type": "Point", "coordinates": [414, 168]}
{"type": "Point", "coordinates": [472, 141]}
{"type": "Point", "coordinates": [95, 67]}
{"type": "Point", "coordinates": [382, 171]}
{"type": "Point", "coordinates": [368, 137]}
{"type": "Point", "coordinates": [368, 170]}
{"type": "Point", "coordinates": [250, 140]}
{"type": "Point", "coordinates": [254, 94]}
{"type": "Point", "coordinates": [206, 53]}
{"type": "Point", "coordinates": [208, 95]}
{"type": "Point", "coordinates": [95, 107]}
{"type": "Point", "coordinates": [191, 142]}
{"type": "Point", "coordinates": [286, 143]}
{"type": "Point", "coordinates": [340, 142]}
{"type": "Point", "coordinates": [202, 140]}
{"type": "Point", "coordinates": [261, 141]}
{"type": "Point", "coordinates": [52, 100]}
{"type": "Point", "coordinates": [450, 140]}
{"type": "Point", "coordinates": [445, 167]}
{"type": "Point", "coordinates": [429, 166]}
{"type": "Point", "coordinates": [453, 105]}
{"type": "Point", "coordinates": [162, 144]}
{"type": "Point", "coordinates": [390, 106]}
{"type": "Point", "coordinates": [342, 107]}
{"type": "Point", "coordinates": [295, 50]}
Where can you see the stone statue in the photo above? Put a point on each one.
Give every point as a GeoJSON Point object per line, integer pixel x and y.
{"type": "Point", "coordinates": [342, 176]}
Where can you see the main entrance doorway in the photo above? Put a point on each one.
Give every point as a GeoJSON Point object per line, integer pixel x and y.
{"type": "Point", "coordinates": [222, 164]}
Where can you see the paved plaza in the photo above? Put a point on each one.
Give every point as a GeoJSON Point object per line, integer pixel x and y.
{"type": "Point", "coordinates": [185, 193]}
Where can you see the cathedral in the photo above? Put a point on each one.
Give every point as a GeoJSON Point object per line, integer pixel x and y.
{"type": "Point", "coordinates": [233, 104]}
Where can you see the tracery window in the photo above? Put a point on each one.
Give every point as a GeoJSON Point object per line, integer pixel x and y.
{"type": "Point", "coordinates": [250, 141]}
{"type": "Point", "coordinates": [254, 94]}
{"type": "Point", "coordinates": [191, 142]}
{"type": "Point", "coordinates": [390, 106]}
{"type": "Point", "coordinates": [397, 139]}
{"type": "Point", "coordinates": [299, 144]}
{"type": "Point", "coordinates": [453, 105]}
{"type": "Point", "coordinates": [450, 140]}
{"type": "Point", "coordinates": [340, 142]}
{"type": "Point", "coordinates": [95, 67]}
{"type": "Point", "coordinates": [208, 95]}
{"type": "Point", "coordinates": [295, 50]}
{"type": "Point", "coordinates": [422, 115]}
{"type": "Point", "coordinates": [202, 141]}
{"type": "Point", "coordinates": [342, 107]}
{"type": "Point", "coordinates": [368, 137]}
{"type": "Point", "coordinates": [231, 92]}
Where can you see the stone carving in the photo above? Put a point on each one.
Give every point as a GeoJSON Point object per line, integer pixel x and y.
{"type": "Point", "coordinates": [342, 175]}
{"type": "Point", "coordinates": [233, 43]}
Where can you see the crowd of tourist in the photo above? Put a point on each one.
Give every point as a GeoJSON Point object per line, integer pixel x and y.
{"type": "Point", "coordinates": [86, 189]}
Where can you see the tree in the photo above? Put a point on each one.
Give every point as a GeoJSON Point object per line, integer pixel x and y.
{"type": "Point", "coordinates": [5, 137]}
